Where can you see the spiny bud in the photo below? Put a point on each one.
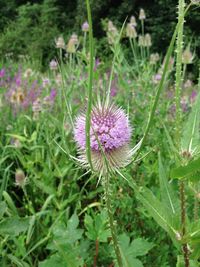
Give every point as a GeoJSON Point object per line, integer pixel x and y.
{"type": "Point", "coordinates": [187, 56]}
{"type": "Point", "coordinates": [60, 43]}
{"type": "Point", "coordinates": [133, 21]}
{"type": "Point", "coordinates": [141, 41]}
{"type": "Point", "coordinates": [20, 178]}
{"type": "Point", "coordinates": [131, 31]}
{"type": "Point", "coordinates": [85, 27]}
{"type": "Point", "coordinates": [178, 236]}
{"type": "Point", "coordinates": [147, 40]}
{"type": "Point", "coordinates": [142, 15]}
{"type": "Point", "coordinates": [53, 64]}
{"type": "Point", "coordinates": [154, 58]}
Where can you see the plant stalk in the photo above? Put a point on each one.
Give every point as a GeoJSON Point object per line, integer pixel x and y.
{"type": "Point", "coordinates": [183, 221]}
{"type": "Point", "coordinates": [111, 219]}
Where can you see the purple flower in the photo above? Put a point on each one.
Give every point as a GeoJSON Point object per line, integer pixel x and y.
{"type": "Point", "coordinates": [110, 135]}
{"type": "Point", "coordinates": [2, 73]}
{"type": "Point", "coordinates": [53, 64]}
{"type": "Point", "coordinates": [53, 94]}
{"type": "Point", "coordinates": [85, 27]}
{"type": "Point", "coordinates": [193, 97]}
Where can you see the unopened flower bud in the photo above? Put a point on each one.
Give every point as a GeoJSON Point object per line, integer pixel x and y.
{"type": "Point", "coordinates": [178, 236]}
{"type": "Point", "coordinates": [20, 178]}
{"type": "Point", "coordinates": [53, 64]}
{"type": "Point", "coordinates": [60, 43]}
{"type": "Point", "coordinates": [133, 21]}
{"type": "Point", "coordinates": [85, 27]}
{"type": "Point", "coordinates": [131, 31]}
{"type": "Point", "coordinates": [147, 40]}
{"type": "Point", "coordinates": [187, 56]}
{"type": "Point", "coordinates": [142, 15]}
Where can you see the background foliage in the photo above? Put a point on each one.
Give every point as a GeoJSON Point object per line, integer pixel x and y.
{"type": "Point", "coordinates": [30, 26]}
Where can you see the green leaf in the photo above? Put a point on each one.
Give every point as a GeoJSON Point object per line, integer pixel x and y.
{"type": "Point", "coordinates": [181, 263]}
{"type": "Point", "coordinates": [54, 260]}
{"type": "Point", "coordinates": [3, 207]}
{"type": "Point", "coordinates": [191, 134]}
{"type": "Point", "coordinates": [14, 226]}
{"type": "Point", "coordinates": [97, 227]}
{"type": "Point", "coordinates": [130, 251]}
{"type": "Point", "coordinates": [167, 194]}
{"type": "Point", "coordinates": [187, 170]}
{"type": "Point", "coordinates": [64, 235]}
{"type": "Point", "coordinates": [157, 210]}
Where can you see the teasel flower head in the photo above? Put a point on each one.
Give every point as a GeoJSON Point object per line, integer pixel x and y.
{"type": "Point", "coordinates": [133, 21]}
{"type": "Point", "coordinates": [72, 44]}
{"type": "Point", "coordinates": [147, 40]}
{"type": "Point", "coordinates": [85, 27]}
{"type": "Point", "coordinates": [60, 43]}
{"type": "Point", "coordinates": [187, 56]}
{"type": "Point", "coordinates": [20, 178]}
{"type": "Point", "coordinates": [28, 73]}
{"type": "Point", "coordinates": [36, 108]}
{"type": "Point", "coordinates": [112, 33]}
{"type": "Point", "coordinates": [195, 2]}
{"type": "Point", "coordinates": [154, 58]}
{"type": "Point", "coordinates": [141, 41]}
{"type": "Point", "coordinates": [53, 64]}
{"type": "Point", "coordinates": [110, 135]}
{"type": "Point", "coordinates": [142, 15]}
{"type": "Point", "coordinates": [131, 31]}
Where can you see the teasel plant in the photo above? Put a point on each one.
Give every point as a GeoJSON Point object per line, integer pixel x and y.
{"type": "Point", "coordinates": [170, 210]}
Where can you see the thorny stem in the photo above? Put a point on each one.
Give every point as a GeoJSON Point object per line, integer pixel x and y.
{"type": "Point", "coordinates": [178, 83]}
{"type": "Point", "coordinates": [96, 252]}
{"type": "Point", "coordinates": [111, 219]}
{"type": "Point", "coordinates": [90, 82]}
{"type": "Point", "coordinates": [196, 208]}
{"type": "Point", "coordinates": [183, 221]}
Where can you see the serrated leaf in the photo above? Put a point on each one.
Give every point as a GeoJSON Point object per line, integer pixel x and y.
{"type": "Point", "coordinates": [183, 171]}
{"type": "Point", "coordinates": [167, 194]}
{"type": "Point", "coordinates": [14, 226]}
{"type": "Point", "coordinates": [65, 235]}
{"type": "Point", "coordinates": [97, 227]}
{"type": "Point", "coordinates": [191, 134]}
{"type": "Point", "coordinates": [54, 260]}
{"type": "Point", "coordinates": [3, 207]}
{"type": "Point", "coordinates": [130, 251]}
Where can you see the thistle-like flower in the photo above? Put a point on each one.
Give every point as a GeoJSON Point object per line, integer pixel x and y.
{"type": "Point", "coordinates": [60, 43]}
{"type": "Point", "coordinates": [142, 15]}
{"type": "Point", "coordinates": [20, 178]}
{"type": "Point", "coordinates": [85, 27]}
{"type": "Point", "coordinates": [131, 31]}
{"type": "Point", "coordinates": [133, 21]}
{"type": "Point", "coordinates": [187, 56]}
{"type": "Point", "coordinates": [53, 64]}
{"type": "Point", "coordinates": [110, 135]}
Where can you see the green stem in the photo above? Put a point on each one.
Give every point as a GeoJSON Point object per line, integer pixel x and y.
{"type": "Point", "coordinates": [89, 106]}
{"type": "Point", "coordinates": [178, 81]}
{"type": "Point", "coordinates": [111, 220]}
{"type": "Point", "coordinates": [183, 221]}
{"type": "Point", "coordinates": [160, 87]}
